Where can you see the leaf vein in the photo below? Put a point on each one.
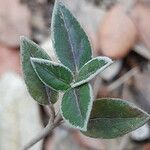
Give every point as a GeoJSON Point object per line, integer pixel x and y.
{"type": "Point", "coordinates": [77, 102]}
{"type": "Point", "coordinates": [70, 41]}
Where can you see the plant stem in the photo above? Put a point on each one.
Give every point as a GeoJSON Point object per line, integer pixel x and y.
{"type": "Point", "coordinates": [47, 130]}
{"type": "Point", "coordinates": [51, 107]}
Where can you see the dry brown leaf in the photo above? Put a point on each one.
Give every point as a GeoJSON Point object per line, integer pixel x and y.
{"type": "Point", "coordinates": [117, 33]}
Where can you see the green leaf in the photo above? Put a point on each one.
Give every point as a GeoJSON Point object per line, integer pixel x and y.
{"type": "Point", "coordinates": [76, 106]}
{"type": "Point", "coordinates": [69, 39]}
{"type": "Point", "coordinates": [91, 69]}
{"type": "Point", "coordinates": [34, 85]}
{"type": "Point", "coordinates": [111, 118]}
{"type": "Point", "coordinates": [54, 75]}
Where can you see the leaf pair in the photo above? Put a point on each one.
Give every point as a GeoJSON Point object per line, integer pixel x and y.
{"type": "Point", "coordinates": [59, 77]}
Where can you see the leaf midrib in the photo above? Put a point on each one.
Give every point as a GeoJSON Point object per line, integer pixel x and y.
{"type": "Point", "coordinates": [54, 75]}
{"type": "Point", "coordinates": [116, 118]}
{"type": "Point", "coordinates": [77, 102]}
{"type": "Point", "coordinates": [81, 77]}
{"type": "Point", "coordinates": [70, 42]}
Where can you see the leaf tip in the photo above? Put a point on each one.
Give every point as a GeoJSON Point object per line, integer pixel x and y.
{"type": "Point", "coordinates": [22, 39]}
{"type": "Point", "coordinates": [35, 61]}
{"type": "Point", "coordinates": [146, 115]}
{"type": "Point", "coordinates": [107, 59]}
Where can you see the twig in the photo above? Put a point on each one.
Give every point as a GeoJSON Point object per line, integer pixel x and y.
{"type": "Point", "coordinates": [123, 79]}
{"type": "Point", "coordinates": [140, 98]}
{"type": "Point", "coordinates": [47, 130]}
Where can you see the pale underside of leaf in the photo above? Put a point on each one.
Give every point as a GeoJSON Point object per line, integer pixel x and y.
{"type": "Point", "coordinates": [91, 69]}
{"type": "Point", "coordinates": [52, 74]}
{"type": "Point", "coordinates": [35, 87]}
{"type": "Point", "coordinates": [76, 106]}
{"type": "Point", "coordinates": [70, 42]}
{"type": "Point", "coordinates": [111, 118]}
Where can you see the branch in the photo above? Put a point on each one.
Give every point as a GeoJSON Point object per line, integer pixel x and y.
{"type": "Point", "coordinates": [123, 79]}
{"type": "Point", "coordinates": [47, 130]}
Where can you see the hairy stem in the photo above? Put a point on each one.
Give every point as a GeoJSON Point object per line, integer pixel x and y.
{"type": "Point", "coordinates": [47, 130]}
